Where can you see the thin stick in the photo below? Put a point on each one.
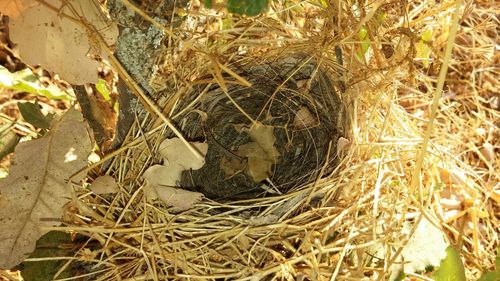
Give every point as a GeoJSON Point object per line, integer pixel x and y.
{"type": "Point", "coordinates": [435, 103]}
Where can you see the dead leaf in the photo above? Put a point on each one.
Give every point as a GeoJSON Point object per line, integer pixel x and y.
{"type": "Point", "coordinates": [104, 184]}
{"type": "Point", "coordinates": [263, 135]}
{"type": "Point", "coordinates": [304, 119]}
{"type": "Point", "coordinates": [488, 151]}
{"type": "Point", "coordinates": [177, 153]}
{"type": "Point", "coordinates": [12, 8]}
{"type": "Point", "coordinates": [342, 145]}
{"type": "Point", "coordinates": [8, 141]}
{"type": "Point", "coordinates": [261, 153]}
{"type": "Point", "coordinates": [162, 179]}
{"type": "Point", "coordinates": [231, 166]}
{"type": "Point", "coordinates": [302, 84]}
{"type": "Point", "coordinates": [259, 165]}
{"type": "Point", "coordinates": [53, 39]}
{"type": "Point", "coordinates": [159, 175]}
{"type": "Point", "coordinates": [161, 182]}
{"type": "Point", "coordinates": [87, 255]}
{"type": "Point", "coordinates": [34, 193]}
{"type": "Point", "coordinates": [264, 220]}
{"type": "Point", "coordinates": [179, 198]}
{"type": "Point", "coordinates": [99, 114]}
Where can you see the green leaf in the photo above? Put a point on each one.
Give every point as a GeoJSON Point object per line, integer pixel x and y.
{"type": "Point", "coordinates": [208, 4]}
{"type": "Point", "coordinates": [323, 3]}
{"type": "Point", "coordinates": [227, 23]}
{"type": "Point", "coordinates": [423, 47]}
{"type": "Point", "coordinates": [427, 35]}
{"type": "Point", "coordinates": [49, 245]}
{"type": "Point", "coordinates": [32, 114]}
{"type": "Point", "coordinates": [247, 7]}
{"type": "Point", "coordinates": [401, 276]}
{"type": "Point", "coordinates": [451, 267]}
{"type": "Point", "coordinates": [492, 275]}
{"type": "Point", "coordinates": [365, 42]}
{"type": "Point", "coordinates": [103, 89]}
{"type": "Point", "coordinates": [497, 260]}
{"type": "Point", "coordinates": [8, 140]}
{"type": "Point", "coordinates": [26, 81]}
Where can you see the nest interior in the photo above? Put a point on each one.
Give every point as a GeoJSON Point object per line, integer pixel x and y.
{"type": "Point", "coordinates": [291, 96]}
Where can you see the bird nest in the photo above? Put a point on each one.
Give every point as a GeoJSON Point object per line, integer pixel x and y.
{"type": "Point", "coordinates": [270, 137]}
{"type": "Point", "coordinates": [281, 204]}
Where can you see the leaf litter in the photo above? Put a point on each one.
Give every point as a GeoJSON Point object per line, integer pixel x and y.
{"type": "Point", "coordinates": [35, 192]}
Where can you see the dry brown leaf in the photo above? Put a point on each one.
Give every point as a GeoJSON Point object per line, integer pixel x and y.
{"type": "Point", "coordinates": [161, 182]}
{"type": "Point", "coordinates": [87, 255]}
{"type": "Point", "coordinates": [104, 184]}
{"type": "Point", "coordinates": [34, 193]}
{"type": "Point", "coordinates": [175, 152]}
{"type": "Point", "coordinates": [13, 8]}
{"type": "Point", "coordinates": [162, 179]}
{"type": "Point", "coordinates": [48, 37]}
{"type": "Point", "coordinates": [264, 220]}
{"type": "Point", "coordinates": [342, 145]}
{"type": "Point", "coordinates": [259, 166]}
{"type": "Point", "coordinates": [261, 153]}
{"type": "Point", "coordinates": [232, 166]}
{"type": "Point", "coordinates": [488, 151]}
{"type": "Point", "coordinates": [263, 135]}
{"type": "Point", "coordinates": [159, 175]}
{"type": "Point", "coordinates": [179, 198]}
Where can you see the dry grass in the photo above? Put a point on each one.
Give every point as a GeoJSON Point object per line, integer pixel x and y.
{"type": "Point", "coordinates": [402, 162]}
